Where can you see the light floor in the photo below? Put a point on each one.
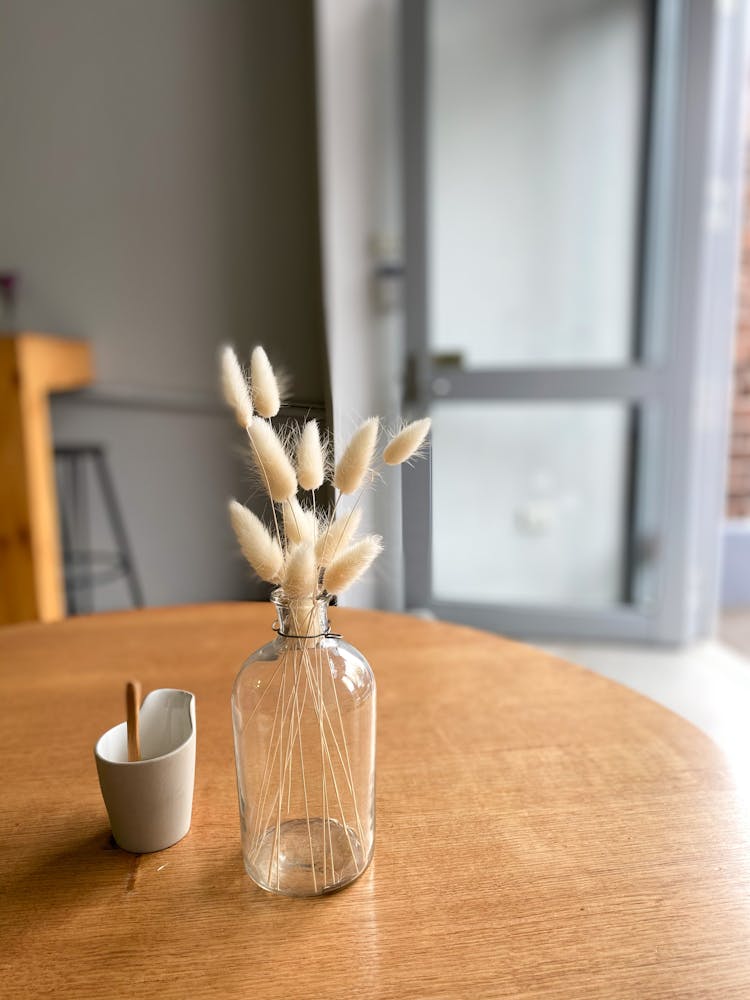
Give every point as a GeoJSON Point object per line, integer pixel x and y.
{"type": "Point", "coordinates": [708, 684]}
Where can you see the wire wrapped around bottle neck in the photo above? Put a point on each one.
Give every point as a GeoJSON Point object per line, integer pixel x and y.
{"type": "Point", "coordinates": [304, 618]}
{"type": "Point", "coordinates": [328, 634]}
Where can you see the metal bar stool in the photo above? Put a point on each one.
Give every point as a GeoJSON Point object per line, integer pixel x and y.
{"type": "Point", "coordinates": [85, 569]}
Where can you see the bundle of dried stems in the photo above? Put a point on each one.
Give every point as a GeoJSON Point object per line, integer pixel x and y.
{"type": "Point", "coordinates": [310, 554]}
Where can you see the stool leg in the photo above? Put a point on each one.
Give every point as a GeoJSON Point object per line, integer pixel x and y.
{"type": "Point", "coordinates": [118, 527]}
{"type": "Point", "coordinates": [62, 467]}
{"type": "Point", "coordinates": [82, 536]}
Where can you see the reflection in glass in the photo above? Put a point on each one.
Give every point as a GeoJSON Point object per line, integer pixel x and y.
{"type": "Point", "coordinates": [530, 502]}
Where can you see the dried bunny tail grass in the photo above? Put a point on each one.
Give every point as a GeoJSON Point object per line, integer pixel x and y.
{"type": "Point", "coordinates": [357, 458]}
{"type": "Point", "coordinates": [299, 578]}
{"type": "Point", "coordinates": [260, 549]}
{"type": "Point", "coordinates": [311, 461]}
{"type": "Point", "coordinates": [235, 388]}
{"type": "Point", "coordinates": [407, 442]}
{"type": "Point", "coordinates": [265, 388]}
{"type": "Point", "coordinates": [347, 568]}
{"type": "Point", "coordinates": [272, 461]}
{"type": "Point", "coordinates": [300, 525]}
{"type": "Point", "coordinates": [336, 535]}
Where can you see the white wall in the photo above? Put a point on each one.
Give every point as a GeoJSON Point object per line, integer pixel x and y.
{"type": "Point", "coordinates": [158, 196]}
{"type": "Point", "coordinates": [358, 92]}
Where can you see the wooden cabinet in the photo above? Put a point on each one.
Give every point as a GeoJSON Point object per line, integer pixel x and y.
{"type": "Point", "coordinates": [32, 365]}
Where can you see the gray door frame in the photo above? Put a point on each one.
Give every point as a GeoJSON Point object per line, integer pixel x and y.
{"type": "Point", "coordinates": [690, 243]}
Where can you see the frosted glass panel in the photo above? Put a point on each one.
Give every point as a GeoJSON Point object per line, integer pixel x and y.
{"type": "Point", "coordinates": [529, 502]}
{"type": "Point", "coordinates": [535, 154]}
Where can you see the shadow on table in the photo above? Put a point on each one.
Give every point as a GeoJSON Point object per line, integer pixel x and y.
{"type": "Point", "coordinates": [63, 877]}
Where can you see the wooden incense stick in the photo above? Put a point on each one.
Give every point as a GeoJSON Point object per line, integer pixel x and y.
{"type": "Point", "coordinates": [133, 703]}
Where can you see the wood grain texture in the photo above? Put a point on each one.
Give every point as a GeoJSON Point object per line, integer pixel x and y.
{"type": "Point", "coordinates": [32, 365]}
{"type": "Point", "coordinates": [542, 832]}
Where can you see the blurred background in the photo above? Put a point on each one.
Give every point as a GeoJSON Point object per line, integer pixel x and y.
{"type": "Point", "coordinates": [525, 218]}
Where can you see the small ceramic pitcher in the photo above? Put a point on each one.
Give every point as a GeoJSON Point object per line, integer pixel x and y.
{"type": "Point", "coordinates": [150, 801]}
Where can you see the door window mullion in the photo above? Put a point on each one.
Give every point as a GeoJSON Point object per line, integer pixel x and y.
{"type": "Point", "coordinates": [628, 384]}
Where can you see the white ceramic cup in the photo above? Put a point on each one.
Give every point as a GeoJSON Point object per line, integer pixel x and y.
{"type": "Point", "coordinates": [150, 801]}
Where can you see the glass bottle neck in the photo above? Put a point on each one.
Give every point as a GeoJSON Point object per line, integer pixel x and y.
{"type": "Point", "coordinates": [300, 618]}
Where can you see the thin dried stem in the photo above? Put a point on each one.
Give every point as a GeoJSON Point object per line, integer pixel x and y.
{"type": "Point", "coordinates": [304, 788]}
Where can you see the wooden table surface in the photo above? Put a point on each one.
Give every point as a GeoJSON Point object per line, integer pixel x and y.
{"type": "Point", "coordinates": [541, 831]}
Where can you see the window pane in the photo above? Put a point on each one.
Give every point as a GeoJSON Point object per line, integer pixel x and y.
{"type": "Point", "coordinates": [530, 502]}
{"type": "Point", "coordinates": [536, 116]}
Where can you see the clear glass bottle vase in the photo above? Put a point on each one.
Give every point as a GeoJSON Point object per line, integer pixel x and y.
{"type": "Point", "coordinates": [303, 709]}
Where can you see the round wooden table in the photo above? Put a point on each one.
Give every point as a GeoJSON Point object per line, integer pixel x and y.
{"type": "Point", "coordinates": [541, 831]}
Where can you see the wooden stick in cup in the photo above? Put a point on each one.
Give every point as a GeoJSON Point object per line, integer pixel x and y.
{"type": "Point", "coordinates": [133, 704]}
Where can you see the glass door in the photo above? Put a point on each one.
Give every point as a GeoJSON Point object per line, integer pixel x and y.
{"type": "Point", "coordinates": [557, 152]}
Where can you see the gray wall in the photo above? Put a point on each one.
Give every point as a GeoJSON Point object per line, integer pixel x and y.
{"type": "Point", "coordinates": [158, 194]}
